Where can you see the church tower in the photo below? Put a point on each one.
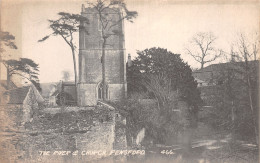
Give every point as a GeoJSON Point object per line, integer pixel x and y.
{"type": "Point", "coordinates": [90, 83]}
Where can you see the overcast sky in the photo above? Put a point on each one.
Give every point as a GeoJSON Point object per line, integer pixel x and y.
{"type": "Point", "coordinates": [165, 24]}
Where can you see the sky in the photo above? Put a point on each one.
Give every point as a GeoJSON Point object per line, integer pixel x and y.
{"type": "Point", "coordinates": [166, 23]}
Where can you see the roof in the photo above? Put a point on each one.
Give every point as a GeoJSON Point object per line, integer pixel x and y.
{"type": "Point", "coordinates": [207, 73]}
{"type": "Point", "coordinates": [50, 89]}
{"type": "Point", "coordinates": [221, 66]}
{"type": "Point", "coordinates": [53, 89]}
{"type": "Point", "coordinates": [18, 95]}
{"type": "Point", "coordinates": [3, 83]}
{"type": "Point", "coordinates": [68, 83]}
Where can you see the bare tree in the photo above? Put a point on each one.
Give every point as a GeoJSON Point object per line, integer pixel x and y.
{"type": "Point", "coordinates": [255, 46]}
{"type": "Point", "coordinates": [248, 51]}
{"type": "Point", "coordinates": [202, 48]}
{"type": "Point", "coordinates": [108, 25]}
{"type": "Point", "coordinates": [161, 86]}
{"type": "Point", "coordinates": [240, 81]}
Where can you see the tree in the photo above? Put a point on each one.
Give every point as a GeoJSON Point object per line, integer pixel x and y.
{"type": "Point", "coordinates": [159, 61]}
{"type": "Point", "coordinates": [168, 79]}
{"type": "Point", "coordinates": [66, 26]}
{"type": "Point", "coordinates": [6, 39]}
{"type": "Point", "coordinates": [236, 96]}
{"type": "Point", "coordinates": [108, 26]}
{"type": "Point", "coordinates": [247, 51]}
{"type": "Point", "coordinates": [202, 48]}
{"type": "Point", "coordinates": [25, 68]}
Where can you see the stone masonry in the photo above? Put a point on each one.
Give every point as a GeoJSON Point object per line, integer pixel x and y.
{"type": "Point", "coordinates": [90, 66]}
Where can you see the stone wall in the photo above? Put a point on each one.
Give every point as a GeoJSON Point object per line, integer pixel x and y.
{"type": "Point", "coordinates": [100, 138]}
{"type": "Point", "coordinates": [87, 94]}
{"type": "Point", "coordinates": [120, 142]}
{"type": "Point", "coordinates": [76, 129]}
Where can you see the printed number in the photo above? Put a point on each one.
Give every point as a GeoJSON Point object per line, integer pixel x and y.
{"type": "Point", "coordinates": [163, 152]}
{"type": "Point", "coordinates": [167, 152]}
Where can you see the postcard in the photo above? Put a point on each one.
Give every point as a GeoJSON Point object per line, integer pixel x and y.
{"type": "Point", "coordinates": [129, 81]}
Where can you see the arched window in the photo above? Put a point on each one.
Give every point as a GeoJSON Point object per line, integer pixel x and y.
{"type": "Point", "coordinates": [100, 90]}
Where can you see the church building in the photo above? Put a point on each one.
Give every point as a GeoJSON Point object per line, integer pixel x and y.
{"type": "Point", "coordinates": [90, 83]}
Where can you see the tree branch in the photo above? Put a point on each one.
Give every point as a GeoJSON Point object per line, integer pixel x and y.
{"type": "Point", "coordinates": [194, 56]}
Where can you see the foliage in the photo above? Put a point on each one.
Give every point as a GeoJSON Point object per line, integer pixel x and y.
{"type": "Point", "coordinates": [158, 62]}
{"type": "Point", "coordinates": [6, 39]}
{"type": "Point", "coordinates": [24, 67]}
{"type": "Point", "coordinates": [66, 26]}
{"type": "Point", "coordinates": [168, 80]}
{"type": "Point", "coordinates": [107, 24]}
{"type": "Point", "coordinates": [144, 113]}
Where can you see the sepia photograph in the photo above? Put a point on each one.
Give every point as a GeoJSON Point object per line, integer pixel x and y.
{"type": "Point", "coordinates": [129, 81]}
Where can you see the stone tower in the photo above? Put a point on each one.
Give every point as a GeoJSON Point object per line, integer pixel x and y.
{"type": "Point", "coordinates": [90, 66]}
